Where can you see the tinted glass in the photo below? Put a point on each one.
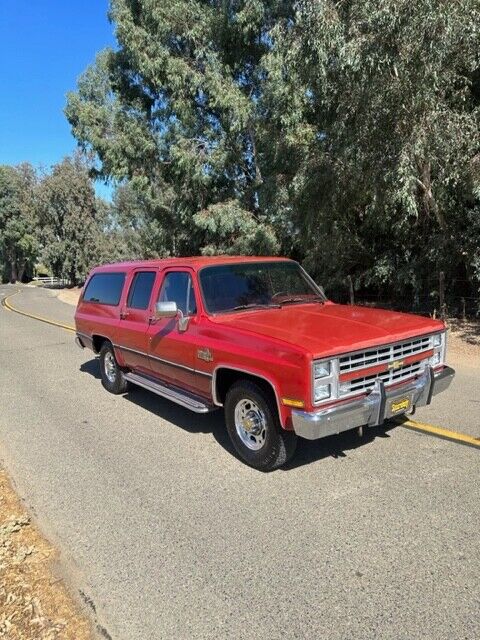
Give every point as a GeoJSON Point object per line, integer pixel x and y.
{"type": "Point", "coordinates": [234, 287]}
{"type": "Point", "coordinates": [177, 287]}
{"type": "Point", "coordinates": [105, 288]}
{"type": "Point", "coordinates": [141, 290]}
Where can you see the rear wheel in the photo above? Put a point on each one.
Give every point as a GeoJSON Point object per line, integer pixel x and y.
{"type": "Point", "coordinates": [112, 376]}
{"type": "Point", "coordinates": [254, 427]}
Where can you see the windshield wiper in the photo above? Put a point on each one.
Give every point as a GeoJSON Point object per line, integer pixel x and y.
{"type": "Point", "coordinates": [256, 305]}
{"type": "Point", "coordinates": [304, 300]}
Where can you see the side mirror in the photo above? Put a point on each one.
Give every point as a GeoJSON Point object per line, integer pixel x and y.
{"type": "Point", "coordinates": [166, 310]}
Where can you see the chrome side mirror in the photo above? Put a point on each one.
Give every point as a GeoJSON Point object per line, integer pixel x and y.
{"type": "Point", "coordinates": [170, 310]}
{"type": "Point", "coordinates": [166, 310]}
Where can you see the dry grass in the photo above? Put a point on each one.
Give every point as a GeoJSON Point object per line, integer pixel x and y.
{"type": "Point", "coordinates": [34, 603]}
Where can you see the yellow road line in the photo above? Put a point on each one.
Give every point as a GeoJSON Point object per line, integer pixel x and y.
{"type": "Point", "coordinates": [439, 432]}
{"type": "Point", "coordinates": [8, 306]}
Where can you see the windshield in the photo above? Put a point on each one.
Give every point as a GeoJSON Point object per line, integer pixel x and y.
{"type": "Point", "coordinates": [247, 285]}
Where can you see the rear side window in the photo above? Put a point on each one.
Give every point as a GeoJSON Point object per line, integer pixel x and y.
{"type": "Point", "coordinates": [141, 290]}
{"type": "Point", "coordinates": [104, 288]}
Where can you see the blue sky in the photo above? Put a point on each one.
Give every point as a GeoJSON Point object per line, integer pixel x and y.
{"type": "Point", "coordinates": [44, 47]}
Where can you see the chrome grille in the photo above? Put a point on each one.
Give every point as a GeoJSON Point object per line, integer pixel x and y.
{"type": "Point", "coordinates": [384, 354]}
{"type": "Point", "coordinates": [366, 383]}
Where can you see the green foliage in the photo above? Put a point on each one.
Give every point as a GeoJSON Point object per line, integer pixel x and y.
{"type": "Point", "coordinates": [142, 213]}
{"type": "Point", "coordinates": [229, 229]}
{"type": "Point", "coordinates": [345, 134]}
{"type": "Point", "coordinates": [176, 111]}
{"type": "Point", "coordinates": [67, 211]}
{"type": "Point", "coordinates": [18, 217]}
{"type": "Point", "coordinates": [382, 106]}
{"type": "Point", "coordinates": [56, 218]}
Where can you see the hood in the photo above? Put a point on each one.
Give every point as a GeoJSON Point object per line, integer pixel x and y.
{"type": "Point", "coordinates": [330, 329]}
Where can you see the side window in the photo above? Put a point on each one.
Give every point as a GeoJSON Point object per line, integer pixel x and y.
{"type": "Point", "coordinates": [177, 287]}
{"type": "Point", "coordinates": [104, 288]}
{"type": "Point", "coordinates": [141, 290]}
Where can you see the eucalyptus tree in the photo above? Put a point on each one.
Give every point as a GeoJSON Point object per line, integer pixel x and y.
{"type": "Point", "coordinates": [176, 110]}
{"type": "Point", "coordinates": [342, 132]}
{"type": "Point", "coordinates": [68, 217]}
{"type": "Point", "coordinates": [19, 244]}
{"type": "Point", "coordinates": [381, 163]}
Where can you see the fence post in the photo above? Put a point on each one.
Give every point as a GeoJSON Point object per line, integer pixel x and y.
{"type": "Point", "coordinates": [350, 287]}
{"type": "Point", "coordinates": [464, 314]}
{"type": "Point", "coordinates": [441, 294]}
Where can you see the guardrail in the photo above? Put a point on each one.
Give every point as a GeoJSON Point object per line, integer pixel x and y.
{"type": "Point", "coordinates": [52, 281]}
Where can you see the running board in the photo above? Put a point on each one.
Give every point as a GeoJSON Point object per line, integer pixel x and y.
{"type": "Point", "coordinates": [183, 398]}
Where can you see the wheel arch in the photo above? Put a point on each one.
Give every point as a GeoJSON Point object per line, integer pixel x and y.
{"type": "Point", "coordinates": [225, 375]}
{"type": "Point", "coordinates": [97, 342]}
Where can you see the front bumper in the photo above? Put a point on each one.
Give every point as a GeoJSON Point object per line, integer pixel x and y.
{"type": "Point", "coordinates": [373, 409]}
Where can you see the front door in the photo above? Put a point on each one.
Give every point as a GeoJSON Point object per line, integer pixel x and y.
{"type": "Point", "coordinates": [172, 350]}
{"type": "Point", "coordinates": [134, 320]}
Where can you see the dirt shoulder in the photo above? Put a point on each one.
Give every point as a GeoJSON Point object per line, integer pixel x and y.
{"type": "Point", "coordinates": [34, 602]}
{"type": "Point", "coordinates": [70, 296]}
{"type": "Point", "coordinates": [463, 342]}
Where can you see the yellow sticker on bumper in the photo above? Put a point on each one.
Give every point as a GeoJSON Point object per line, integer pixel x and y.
{"type": "Point", "coordinates": [400, 405]}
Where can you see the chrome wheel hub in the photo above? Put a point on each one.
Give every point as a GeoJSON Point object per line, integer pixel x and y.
{"type": "Point", "coordinates": [110, 367]}
{"type": "Point", "coordinates": [251, 424]}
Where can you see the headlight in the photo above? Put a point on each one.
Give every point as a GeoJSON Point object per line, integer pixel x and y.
{"type": "Point", "coordinates": [321, 391]}
{"type": "Point", "coordinates": [321, 369]}
{"type": "Point", "coordinates": [438, 344]}
{"type": "Point", "coordinates": [324, 380]}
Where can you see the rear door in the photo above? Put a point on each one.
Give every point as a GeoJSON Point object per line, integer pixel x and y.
{"type": "Point", "coordinates": [135, 314]}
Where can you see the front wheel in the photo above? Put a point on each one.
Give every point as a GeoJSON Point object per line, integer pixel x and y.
{"type": "Point", "coordinates": [254, 427]}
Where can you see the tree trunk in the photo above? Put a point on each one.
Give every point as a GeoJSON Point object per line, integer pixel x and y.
{"type": "Point", "coordinates": [429, 200]}
{"type": "Point", "coordinates": [13, 272]}
{"type": "Point", "coordinates": [258, 173]}
{"type": "Point", "coordinates": [21, 270]}
{"type": "Point", "coordinates": [56, 268]}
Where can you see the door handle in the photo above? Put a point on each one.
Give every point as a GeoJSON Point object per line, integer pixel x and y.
{"type": "Point", "coordinates": [123, 315]}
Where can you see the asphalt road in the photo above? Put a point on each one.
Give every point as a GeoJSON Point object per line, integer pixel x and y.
{"type": "Point", "coordinates": [171, 536]}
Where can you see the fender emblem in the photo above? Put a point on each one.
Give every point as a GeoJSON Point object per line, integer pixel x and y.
{"type": "Point", "coordinates": [204, 354]}
{"type": "Point", "coordinates": [396, 364]}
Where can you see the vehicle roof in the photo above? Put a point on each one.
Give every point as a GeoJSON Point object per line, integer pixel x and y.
{"type": "Point", "coordinates": [194, 262]}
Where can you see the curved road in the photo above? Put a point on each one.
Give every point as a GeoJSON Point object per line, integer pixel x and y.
{"type": "Point", "coordinates": [168, 535]}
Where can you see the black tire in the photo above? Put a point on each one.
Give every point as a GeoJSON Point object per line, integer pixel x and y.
{"type": "Point", "coordinates": [112, 380]}
{"type": "Point", "coordinates": [278, 445]}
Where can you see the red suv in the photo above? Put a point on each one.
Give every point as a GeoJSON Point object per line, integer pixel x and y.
{"type": "Point", "coordinates": [258, 337]}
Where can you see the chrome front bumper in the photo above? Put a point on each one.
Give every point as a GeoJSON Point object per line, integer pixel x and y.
{"type": "Point", "coordinates": [373, 409]}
